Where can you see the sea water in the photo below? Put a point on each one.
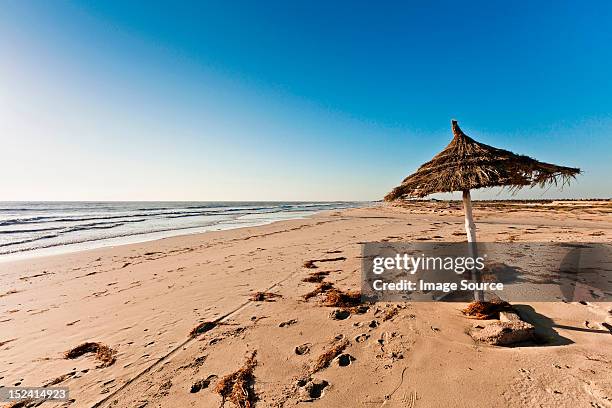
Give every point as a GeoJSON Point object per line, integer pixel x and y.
{"type": "Point", "coordinates": [42, 228]}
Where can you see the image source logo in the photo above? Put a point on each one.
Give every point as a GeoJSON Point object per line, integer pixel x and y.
{"type": "Point", "coordinates": [451, 271]}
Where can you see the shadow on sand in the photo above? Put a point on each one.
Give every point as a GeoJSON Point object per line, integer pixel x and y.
{"type": "Point", "coordinates": [545, 327]}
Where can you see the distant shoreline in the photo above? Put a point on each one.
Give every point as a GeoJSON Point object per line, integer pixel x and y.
{"type": "Point", "coordinates": [34, 229]}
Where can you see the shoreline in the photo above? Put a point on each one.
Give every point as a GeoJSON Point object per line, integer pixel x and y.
{"type": "Point", "coordinates": [144, 299]}
{"type": "Point", "coordinates": [113, 242]}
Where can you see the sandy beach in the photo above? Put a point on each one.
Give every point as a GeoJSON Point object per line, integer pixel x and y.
{"type": "Point", "coordinates": [143, 300]}
{"type": "Point", "coordinates": [305, 204]}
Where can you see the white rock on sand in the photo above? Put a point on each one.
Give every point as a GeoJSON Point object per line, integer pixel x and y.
{"type": "Point", "coordinates": [503, 333]}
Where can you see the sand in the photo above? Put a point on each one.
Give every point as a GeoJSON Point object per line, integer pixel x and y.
{"type": "Point", "coordinates": [178, 315]}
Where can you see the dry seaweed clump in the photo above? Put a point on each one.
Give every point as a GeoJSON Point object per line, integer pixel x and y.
{"type": "Point", "coordinates": [104, 354]}
{"type": "Point", "coordinates": [237, 387]}
{"type": "Point", "coordinates": [486, 310]}
{"type": "Point", "coordinates": [311, 263]}
{"type": "Point", "coordinates": [337, 298]}
{"type": "Point", "coordinates": [316, 277]}
{"type": "Point", "coordinates": [59, 380]}
{"type": "Point", "coordinates": [202, 328]}
{"type": "Point", "coordinates": [264, 297]}
{"type": "Point", "coordinates": [322, 288]}
{"type": "Point", "coordinates": [27, 403]}
{"type": "Point", "coordinates": [390, 313]}
{"type": "Point", "coordinates": [324, 359]}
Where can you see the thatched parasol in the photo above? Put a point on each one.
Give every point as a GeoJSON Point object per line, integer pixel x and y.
{"type": "Point", "coordinates": [466, 164]}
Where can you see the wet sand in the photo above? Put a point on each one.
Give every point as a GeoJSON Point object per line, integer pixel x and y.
{"type": "Point", "coordinates": [143, 300]}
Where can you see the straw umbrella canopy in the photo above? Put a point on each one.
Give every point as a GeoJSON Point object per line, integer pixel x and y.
{"type": "Point", "coordinates": [466, 164]}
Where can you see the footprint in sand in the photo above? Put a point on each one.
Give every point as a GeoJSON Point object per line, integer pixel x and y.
{"type": "Point", "coordinates": [302, 349]}
{"type": "Point", "coordinates": [344, 360]}
{"type": "Point", "coordinates": [339, 314]}
{"type": "Point", "coordinates": [164, 388]}
{"type": "Point", "coordinates": [202, 384]}
{"type": "Point", "coordinates": [311, 389]}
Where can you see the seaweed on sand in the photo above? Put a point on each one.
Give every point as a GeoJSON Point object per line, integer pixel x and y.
{"type": "Point", "coordinates": [311, 263]}
{"type": "Point", "coordinates": [264, 297]}
{"type": "Point", "coordinates": [237, 387]}
{"type": "Point", "coordinates": [390, 313]}
{"type": "Point", "coordinates": [104, 354]}
{"type": "Point", "coordinates": [26, 403]}
{"type": "Point", "coordinates": [324, 359]}
{"type": "Point", "coordinates": [202, 328]}
{"type": "Point", "coordinates": [316, 277]}
{"type": "Point", "coordinates": [337, 298]}
{"type": "Point", "coordinates": [486, 310]}
{"type": "Point", "coordinates": [322, 288]}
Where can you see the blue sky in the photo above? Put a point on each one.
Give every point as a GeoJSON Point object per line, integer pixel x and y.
{"type": "Point", "coordinates": [300, 100]}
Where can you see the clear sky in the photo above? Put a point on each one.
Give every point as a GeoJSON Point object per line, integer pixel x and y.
{"type": "Point", "coordinates": [293, 100]}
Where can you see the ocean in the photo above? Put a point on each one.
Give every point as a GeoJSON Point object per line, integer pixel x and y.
{"type": "Point", "coordinates": [45, 228]}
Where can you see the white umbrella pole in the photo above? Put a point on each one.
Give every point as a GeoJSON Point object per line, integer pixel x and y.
{"type": "Point", "coordinates": [470, 230]}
